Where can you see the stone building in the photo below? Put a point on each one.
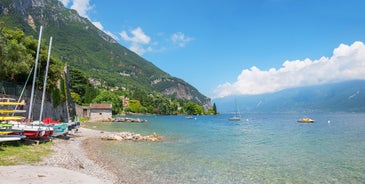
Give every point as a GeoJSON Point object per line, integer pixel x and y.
{"type": "Point", "coordinates": [95, 112]}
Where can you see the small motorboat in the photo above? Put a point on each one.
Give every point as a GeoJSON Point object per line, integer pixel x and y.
{"type": "Point", "coordinates": [305, 120]}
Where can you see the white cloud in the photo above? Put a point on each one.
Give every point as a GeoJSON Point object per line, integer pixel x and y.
{"type": "Point", "coordinates": [346, 63]}
{"type": "Point", "coordinates": [101, 27]}
{"type": "Point", "coordinates": [82, 7]}
{"type": "Point", "coordinates": [138, 36]}
{"type": "Point", "coordinates": [139, 40]}
{"type": "Point", "coordinates": [180, 39]}
{"type": "Point", "coordinates": [65, 2]}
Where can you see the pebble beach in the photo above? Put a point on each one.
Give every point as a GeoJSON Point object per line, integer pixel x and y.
{"type": "Point", "coordinates": [68, 164]}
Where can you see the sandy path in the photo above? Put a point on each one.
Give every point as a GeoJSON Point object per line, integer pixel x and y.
{"type": "Point", "coordinates": [68, 164]}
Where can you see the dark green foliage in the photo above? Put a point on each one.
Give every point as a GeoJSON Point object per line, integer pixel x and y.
{"type": "Point", "coordinates": [78, 81]}
{"type": "Point", "coordinates": [135, 107]}
{"type": "Point", "coordinates": [56, 97]}
{"type": "Point", "coordinates": [16, 60]}
{"type": "Point", "coordinates": [111, 98]}
{"type": "Point", "coordinates": [63, 95]}
{"type": "Point", "coordinates": [17, 55]}
{"type": "Point", "coordinates": [193, 108]}
{"type": "Point", "coordinates": [213, 110]}
{"type": "Point", "coordinates": [81, 88]}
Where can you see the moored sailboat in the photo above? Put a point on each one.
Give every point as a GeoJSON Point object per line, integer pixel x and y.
{"type": "Point", "coordinates": [237, 116]}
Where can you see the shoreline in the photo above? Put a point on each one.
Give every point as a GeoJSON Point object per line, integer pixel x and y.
{"type": "Point", "coordinates": [69, 163]}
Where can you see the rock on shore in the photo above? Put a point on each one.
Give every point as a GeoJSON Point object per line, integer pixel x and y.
{"type": "Point", "coordinates": [123, 136]}
{"type": "Point", "coordinates": [129, 120]}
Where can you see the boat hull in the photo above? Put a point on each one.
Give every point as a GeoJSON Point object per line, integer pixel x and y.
{"type": "Point", "coordinates": [5, 138]}
{"type": "Point", "coordinates": [305, 120]}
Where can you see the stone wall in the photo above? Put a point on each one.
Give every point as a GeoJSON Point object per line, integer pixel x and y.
{"type": "Point", "coordinates": [100, 115]}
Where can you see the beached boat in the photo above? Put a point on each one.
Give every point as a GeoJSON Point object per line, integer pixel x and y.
{"type": "Point", "coordinates": [13, 123]}
{"type": "Point", "coordinates": [60, 129]}
{"type": "Point", "coordinates": [7, 110]}
{"type": "Point", "coordinates": [7, 128]}
{"type": "Point", "coordinates": [5, 138]}
{"type": "Point", "coordinates": [71, 127]}
{"type": "Point", "coordinates": [305, 120]}
{"type": "Point", "coordinates": [45, 131]}
{"type": "Point", "coordinates": [30, 131]}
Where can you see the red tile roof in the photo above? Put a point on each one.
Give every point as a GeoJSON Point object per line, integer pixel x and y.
{"type": "Point", "coordinates": [100, 106]}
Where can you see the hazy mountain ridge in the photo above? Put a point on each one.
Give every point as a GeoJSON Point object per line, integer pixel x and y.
{"type": "Point", "coordinates": [346, 96]}
{"type": "Point", "coordinates": [80, 44]}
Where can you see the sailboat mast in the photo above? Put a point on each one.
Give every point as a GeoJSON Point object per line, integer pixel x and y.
{"type": "Point", "coordinates": [45, 79]}
{"type": "Point", "coordinates": [34, 75]}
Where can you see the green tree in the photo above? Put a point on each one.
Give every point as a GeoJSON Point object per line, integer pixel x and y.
{"type": "Point", "coordinates": [76, 98]}
{"type": "Point", "coordinates": [193, 108]}
{"type": "Point", "coordinates": [15, 58]}
{"type": "Point", "coordinates": [134, 106]}
{"type": "Point", "coordinates": [81, 86]}
{"type": "Point", "coordinates": [88, 94]}
{"type": "Point", "coordinates": [215, 109]}
{"type": "Point", "coordinates": [17, 54]}
{"type": "Point", "coordinates": [110, 97]}
{"type": "Point", "coordinates": [56, 97]}
{"type": "Point", "coordinates": [79, 81]}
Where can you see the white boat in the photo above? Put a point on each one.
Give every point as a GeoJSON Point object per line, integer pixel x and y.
{"type": "Point", "coordinates": [30, 131]}
{"type": "Point", "coordinates": [234, 118]}
{"type": "Point", "coordinates": [237, 116]}
{"type": "Point", "coordinates": [5, 138]}
{"type": "Point", "coordinates": [47, 129]}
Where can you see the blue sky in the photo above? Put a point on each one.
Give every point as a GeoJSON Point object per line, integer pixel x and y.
{"type": "Point", "coordinates": [232, 47]}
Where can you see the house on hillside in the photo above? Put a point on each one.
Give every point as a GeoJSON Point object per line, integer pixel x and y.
{"type": "Point", "coordinates": [96, 112]}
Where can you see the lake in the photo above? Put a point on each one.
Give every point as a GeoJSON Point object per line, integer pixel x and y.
{"type": "Point", "coordinates": [261, 148]}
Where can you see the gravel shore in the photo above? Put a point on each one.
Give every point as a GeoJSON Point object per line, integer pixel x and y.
{"type": "Point", "coordinates": [68, 164]}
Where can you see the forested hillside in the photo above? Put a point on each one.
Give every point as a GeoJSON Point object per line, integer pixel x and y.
{"type": "Point", "coordinates": [81, 45]}
{"type": "Point", "coordinates": [98, 65]}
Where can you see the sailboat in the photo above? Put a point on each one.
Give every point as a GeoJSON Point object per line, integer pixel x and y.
{"type": "Point", "coordinates": [234, 118]}
{"type": "Point", "coordinates": [237, 116]}
{"type": "Point", "coordinates": [48, 128]}
{"type": "Point", "coordinates": [34, 130]}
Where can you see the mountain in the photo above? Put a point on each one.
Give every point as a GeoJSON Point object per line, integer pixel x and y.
{"type": "Point", "coordinates": [346, 96]}
{"type": "Point", "coordinates": [77, 42]}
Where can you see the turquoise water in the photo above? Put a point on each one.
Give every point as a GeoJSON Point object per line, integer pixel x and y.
{"type": "Point", "coordinates": [263, 148]}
